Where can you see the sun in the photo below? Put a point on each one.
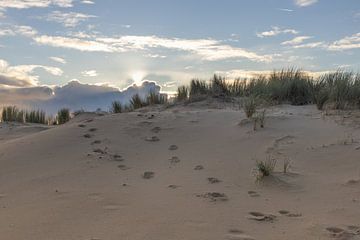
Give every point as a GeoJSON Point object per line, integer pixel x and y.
{"type": "Point", "coordinates": [138, 77]}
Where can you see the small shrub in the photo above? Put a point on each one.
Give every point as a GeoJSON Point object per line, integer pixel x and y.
{"type": "Point", "coordinates": [63, 116]}
{"type": "Point", "coordinates": [116, 107]}
{"type": "Point", "coordinates": [265, 168]}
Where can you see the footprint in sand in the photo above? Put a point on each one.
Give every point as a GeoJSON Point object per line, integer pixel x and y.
{"type": "Point", "coordinates": [92, 129]}
{"type": "Point", "coordinates": [88, 135]}
{"type": "Point", "coordinates": [100, 151]}
{"type": "Point", "coordinates": [89, 120]}
{"type": "Point", "coordinates": [235, 234]}
{"type": "Point", "coordinates": [344, 234]}
{"type": "Point", "coordinates": [290, 214]}
{"type": "Point", "coordinates": [173, 148]}
{"type": "Point", "coordinates": [117, 158]}
{"type": "Point", "coordinates": [148, 175]}
{"type": "Point", "coordinates": [152, 139]}
{"type": "Point", "coordinates": [156, 129]}
{"type": "Point", "coordinates": [352, 182]}
{"type": "Point", "coordinates": [253, 194]}
{"type": "Point", "coordinates": [199, 168]}
{"type": "Point", "coordinates": [123, 167]}
{"type": "Point", "coordinates": [261, 217]}
{"type": "Point", "coordinates": [172, 186]}
{"type": "Point", "coordinates": [96, 142]}
{"type": "Point", "coordinates": [174, 160]}
{"type": "Point", "coordinates": [82, 125]}
{"type": "Point", "coordinates": [214, 196]}
{"type": "Point", "coordinates": [213, 180]}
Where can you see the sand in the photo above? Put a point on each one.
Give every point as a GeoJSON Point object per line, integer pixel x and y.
{"type": "Point", "coordinates": [185, 172]}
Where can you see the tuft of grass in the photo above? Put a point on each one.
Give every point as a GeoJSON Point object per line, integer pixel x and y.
{"type": "Point", "coordinates": [137, 102]}
{"type": "Point", "coordinates": [182, 93]}
{"type": "Point", "coordinates": [250, 105]}
{"type": "Point", "coordinates": [63, 116]}
{"type": "Point", "coordinates": [265, 168]}
{"type": "Point", "coordinates": [156, 98]}
{"type": "Point", "coordinates": [35, 116]}
{"type": "Point", "coordinates": [198, 89]}
{"type": "Point", "coordinates": [116, 107]}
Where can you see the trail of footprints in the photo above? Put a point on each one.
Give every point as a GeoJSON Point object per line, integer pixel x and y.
{"type": "Point", "coordinates": [233, 234]}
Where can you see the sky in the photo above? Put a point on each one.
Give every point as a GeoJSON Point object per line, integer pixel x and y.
{"type": "Point", "coordinates": [47, 44]}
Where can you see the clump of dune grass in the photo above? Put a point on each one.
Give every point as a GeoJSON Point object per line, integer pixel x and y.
{"type": "Point", "coordinates": [199, 90]}
{"type": "Point", "coordinates": [35, 116]}
{"type": "Point", "coordinates": [137, 102]}
{"type": "Point", "coordinates": [182, 93]}
{"type": "Point", "coordinates": [250, 104]}
{"type": "Point", "coordinates": [265, 168]}
{"type": "Point", "coordinates": [63, 116]}
{"type": "Point", "coordinates": [219, 86]}
{"type": "Point", "coordinates": [116, 107]}
{"type": "Point", "coordinates": [155, 98]}
{"type": "Point", "coordinates": [10, 114]}
{"type": "Point", "coordinates": [259, 119]}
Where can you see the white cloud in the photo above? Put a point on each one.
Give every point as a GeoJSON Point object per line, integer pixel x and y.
{"type": "Point", "coordinates": [22, 75]}
{"type": "Point", "coordinates": [89, 73]}
{"type": "Point", "coordinates": [207, 49]}
{"type": "Point", "coordinates": [347, 43]}
{"type": "Point", "coordinates": [87, 2]}
{"type": "Point", "coordinates": [21, 4]}
{"type": "Point", "coordinates": [18, 30]}
{"type": "Point", "coordinates": [305, 3]}
{"type": "Point", "coordinates": [285, 9]}
{"type": "Point", "coordinates": [70, 19]}
{"type": "Point", "coordinates": [247, 74]}
{"type": "Point", "coordinates": [276, 31]}
{"type": "Point", "coordinates": [58, 59]}
{"type": "Point", "coordinates": [296, 40]}
{"type": "Point", "coordinates": [74, 43]}
{"type": "Point", "coordinates": [311, 45]}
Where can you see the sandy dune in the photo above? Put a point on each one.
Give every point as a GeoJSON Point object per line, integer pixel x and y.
{"type": "Point", "coordinates": [182, 173]}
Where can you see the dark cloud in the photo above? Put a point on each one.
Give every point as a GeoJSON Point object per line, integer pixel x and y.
{"type": "Point", "coordinates": [74, 95]}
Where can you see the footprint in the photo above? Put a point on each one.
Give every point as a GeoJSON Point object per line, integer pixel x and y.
{"type": "Point", "coordinates": [213, 180]}
{"type": "Point", "coordinates": [173, 147]}
{"type": "Point", "coordinates": [214, 196]}
{"type": "Point", "coordinates": [82, 125]}
{"type": "Point", "coordinates": [258, 216]}
{"type": "Point", "coordinates": [152, 139]}
{"type": "Point", "coordinates": [173, 186]}
{"type": "Point", "coordinates": [99, 150]}
{"type": "Point", "coordinates": [148, 175]}
{"type": "Point", "coordinates": [199, 168]}
{"type": "Point", "coordinates": [96, 142]}
{"type": "Point", "coordinates": [334, 231]}
{"type": "Point", "coordinates": [290, 214]}
{"type": "Point", "coordinates": [88, 135]}
{"type": "Point", "coordinates": [174, 160]}
{"type": "Point", "coordinates": [123, 167]}
{"type": "Point", "coordinates": [253, 194]}
{"type": "Point", "coordinates": [117, 158]}
{"type": "Point", "coordinates": [89, 120]}
{"type": "Point", "coordinates": [92, 129]}
{"type": "Point", "coordinates": [156, 129]}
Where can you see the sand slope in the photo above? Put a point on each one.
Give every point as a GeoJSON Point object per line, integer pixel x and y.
{"type": "Point", "coordinates": [54, 186]}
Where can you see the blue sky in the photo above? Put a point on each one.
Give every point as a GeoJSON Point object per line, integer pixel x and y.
{"type": "Point", "coordinates": [117, 43]}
